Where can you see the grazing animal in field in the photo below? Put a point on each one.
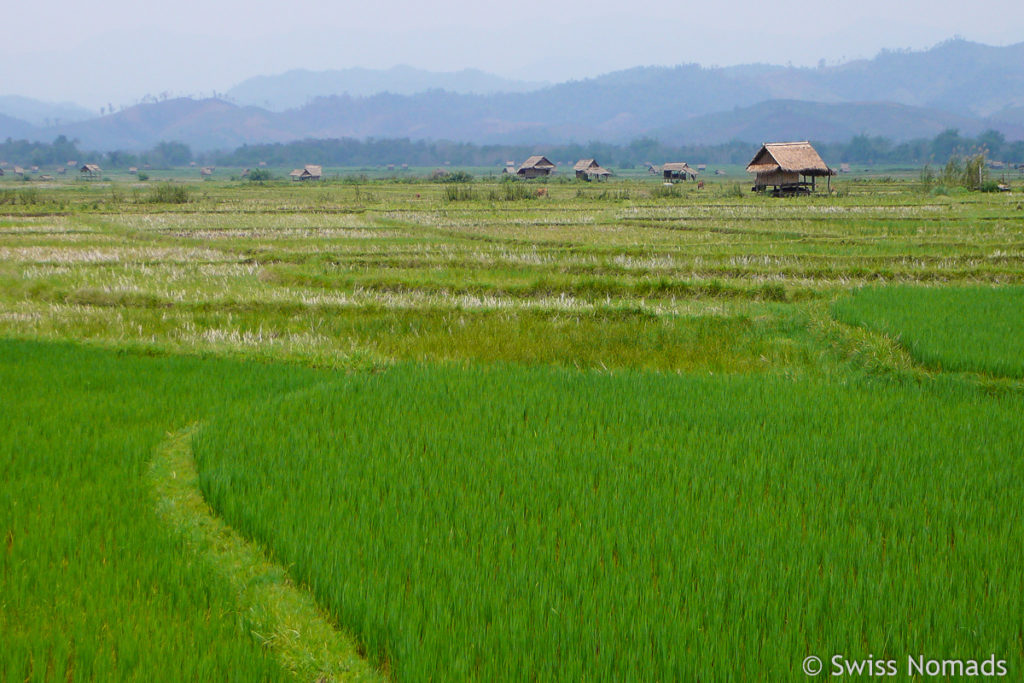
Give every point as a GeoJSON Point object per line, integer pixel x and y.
{"type": "Point", "coordinates": [700, 185]}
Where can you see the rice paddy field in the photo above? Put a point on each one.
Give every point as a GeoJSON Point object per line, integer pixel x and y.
{"type": "Point", "coordinates": [409, 431]}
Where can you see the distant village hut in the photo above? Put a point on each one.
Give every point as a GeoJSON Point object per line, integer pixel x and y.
{"type": "Point", "coordinates": [786, 168]}
{"type": "Point", "coordinates": [678, 170]}
{"type": "Point", "coordinates": [307, 172]}
{"type": "Point", "coordinates": [535, 167]}
{"type": "Point", "coordinates": [90, 172]}
{"type": "Point", "coordinates": [206, 171]}
{"type": "Point", "coordinates": [589, 169]}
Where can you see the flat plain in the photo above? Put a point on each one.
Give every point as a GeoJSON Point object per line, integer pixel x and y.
{"type": "Point", "coordinates": [523, 431]}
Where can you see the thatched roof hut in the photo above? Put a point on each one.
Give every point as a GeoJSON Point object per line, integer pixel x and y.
{"type": "Point", "coordinates": [678, 170]}
{"type": "Point", "coordinates": [307, 172]}
{"type": "Point", "coordinates": [588, 169]}
{"type": "Point", "coordinates": [91, 171]}
{"type": "Point", "coordinates": [786, 165]}
{"type": "Point", "coordinates": [535, 167]}
{"type": "Point", "coordinates": [206, 171]}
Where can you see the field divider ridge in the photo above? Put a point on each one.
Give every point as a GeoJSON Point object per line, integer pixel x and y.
{"type": "Point", "coordinates": [282, 616]}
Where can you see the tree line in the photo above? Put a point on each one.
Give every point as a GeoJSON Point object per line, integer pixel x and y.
{"type": "Point", "coordinates": [861, 149]}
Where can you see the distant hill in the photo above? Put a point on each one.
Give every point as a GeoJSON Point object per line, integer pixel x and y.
{"type": "Point", "coordinates": [792, 119]}
{"type": "Point", "coordinates": [38, 113]}
{"type": "Point", "coordinates": [202, 124]}
{"type": "Point", "coordinates": [899, 95]}
{"type": "Point", "coordinates": [11, 127]}
{"type": "Point", "coordinates": [297, 87]}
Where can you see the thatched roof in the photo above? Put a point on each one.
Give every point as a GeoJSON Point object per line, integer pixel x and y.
{"type": "Point", "coordinates": [307, 171]}
{"type": "Point", "coordinates": [584, 164]}
{"type": "Point", "coordinates": [537, 161]}
{"type": "Point", "coordinates": [90, 168]}
{"type": "Point", "coordinates": [679, 167]}
{"type": "Point", "coordinates": [596, 171]}
{"type": "Point", "coordinates": [789, 157]}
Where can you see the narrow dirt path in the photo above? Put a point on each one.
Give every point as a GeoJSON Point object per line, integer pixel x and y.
{"type": "Point", "coordinates": [281, 615]}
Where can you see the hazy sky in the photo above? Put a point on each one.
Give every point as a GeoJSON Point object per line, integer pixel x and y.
{"type": "Point", "coordinates": [116, 51]}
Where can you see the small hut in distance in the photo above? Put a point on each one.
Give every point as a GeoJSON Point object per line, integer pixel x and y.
{"type": "Point", "coordinates": [307, 172]}
{"type": "Point", "coordinates": [588, 169]}
{"type": "Point", "coordinates": [678, 170]}
{"type": "Point", "coordinates": [786, 166]}
{"type": "Point", "coordinates": [535, 167]}
{"type": "Point", "coordinates": [91, 172]}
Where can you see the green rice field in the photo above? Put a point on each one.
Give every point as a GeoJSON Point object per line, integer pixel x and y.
{"type": "Point", "coordinates": [599, 432]}
{"type": "Point", "coordinates": [970, 329]}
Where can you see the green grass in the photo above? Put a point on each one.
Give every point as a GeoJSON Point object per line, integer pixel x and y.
{"type": "Point", "coordinates": [892, 485]}
{"type": "Point", "coordinates": [968, 329]}
{"type": "Point", "coordinates": [93, 585]}
{"type": "Point", "coordinates": [513, 524]}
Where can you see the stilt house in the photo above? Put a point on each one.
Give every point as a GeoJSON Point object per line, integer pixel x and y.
{"type": "Point", "coordinates": [535, 167]}
{"type": "Point", "coordinates": [786, 168]}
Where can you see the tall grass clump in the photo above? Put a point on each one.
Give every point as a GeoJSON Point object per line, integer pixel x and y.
{"type": "Point", "coordinates": [973, 329]}
{"type": "Point", "coordinates": [666, 191]}
{"type": "Point", "coordinates": [27, 197]}
{"type": "Point", "coordinates": [510, 191]}
{"type": "Point", "coordinates": [168, 193]}
{"type": "Point", "coordinates": [459, 193]}
{"type": "Point", "coordinates": [502, 523]}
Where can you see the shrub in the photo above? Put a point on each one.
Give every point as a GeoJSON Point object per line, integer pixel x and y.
{"type": "Point", "coordinates": [457, 177]}
{"type": "Point", "coordinates": [260, 175]}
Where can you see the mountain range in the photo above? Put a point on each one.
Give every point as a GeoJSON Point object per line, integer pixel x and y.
{"type": "Point", "coordinates": [297, 87]}
{"type": "Point", "coordinates": [898, 94]}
